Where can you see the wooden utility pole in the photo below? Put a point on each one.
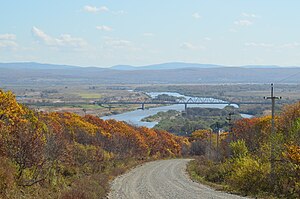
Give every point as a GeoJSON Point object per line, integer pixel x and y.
{"type": "Point", "coordinates": [210, 143]}
{"type": "Point", "coordinates": [230, 133]}
{"type": "Point", "coordinates": [229, 118]}
{"type": "Point", "coordinates": [217, 129]}
{"type": "Point", "coordinates": [218, 145]}
{"type": "Point", "coordinates": [273, 99]}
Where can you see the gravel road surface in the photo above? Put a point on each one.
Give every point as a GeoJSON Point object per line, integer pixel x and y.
{"type": "Point", "coordinates": [162, 179]}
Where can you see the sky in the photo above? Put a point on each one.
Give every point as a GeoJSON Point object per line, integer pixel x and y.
{"type": "Point", "coordinates": [142, 32]}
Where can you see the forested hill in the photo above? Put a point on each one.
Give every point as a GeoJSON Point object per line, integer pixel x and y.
{"type": "Point", "coordinates": [252, 160]}
{"type": "Point", "coordinates": [33, 73]}
{"type": "Point", "coordinates": [64, 155]}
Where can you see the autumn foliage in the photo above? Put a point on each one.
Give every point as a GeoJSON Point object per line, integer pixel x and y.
{"type": "Point", "coordinates": [52, 151]}
{"type": "Point", "coordinates": [245, 162]}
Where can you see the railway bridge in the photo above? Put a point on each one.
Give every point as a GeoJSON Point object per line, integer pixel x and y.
{"type": "Point", "coordinates": [185, 102]}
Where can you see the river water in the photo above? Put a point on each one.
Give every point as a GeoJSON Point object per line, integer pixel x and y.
{"type": "Point", "coordinates": [135, 117]}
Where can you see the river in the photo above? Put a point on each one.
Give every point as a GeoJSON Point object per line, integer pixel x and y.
{"type": "Point", "coordinates": [135, 117]}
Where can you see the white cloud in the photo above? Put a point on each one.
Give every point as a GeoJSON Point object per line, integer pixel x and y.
{"type": "Point", "coordinates": [104, 28]}
{"type": "Point", "coordinates": [243, 22]}
{"type": "Point", "coordinates": [197, 16]}
{"type": "Point", "coordinates": [64, 40]}
{"type": "Point", "coordinates": [291, 45]}
{"type": "Point", "coordinates": [8, 37]}
{"type": "Point", "coordinates": [7, 41]}
{"type": "Point", "coordinates": [249, 15]}
{"type": "Point", "coordinates": [94, 9]}
{"type": "Point", "coordinates": [103, 9]}
{"type": "Point", "coordinates": [90, 8]}
{"type": "Point", "coordinates": [264, 45]}
{"type": "Point", "coordinates": [68, 40]}
{"type": "Point", "coordinates": [190, 46]}
{"type": "Point", "coordinates": [148, 34]}
{"type": "Point", "coordinates": [113, 44]}
{"type": "Point", "coordinates": [269, 45]}
{"type": "Point", "coordinates": [8, 44]}
{"type": "Point", "coordinates": [207, 39]}
{"type": "Point", "coordinates": [117, 43]}
{"type": "Point", "coordinates": [43, 36]}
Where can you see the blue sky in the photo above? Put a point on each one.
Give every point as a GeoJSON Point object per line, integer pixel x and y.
{"type": "Point", "coordinates": [140, 32]}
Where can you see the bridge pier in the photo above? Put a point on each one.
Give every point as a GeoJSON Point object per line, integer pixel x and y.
{"type": "Point", "coordinates": [186, 108]}
{"type": "Point", "coordinates": [143, 106]}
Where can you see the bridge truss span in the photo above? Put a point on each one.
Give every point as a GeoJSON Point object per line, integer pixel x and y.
{"type": "Point", "coordinates": [185, 102]}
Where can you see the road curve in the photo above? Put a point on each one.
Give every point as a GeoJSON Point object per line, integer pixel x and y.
{"type": "Point", "coordinates": [165, 179]}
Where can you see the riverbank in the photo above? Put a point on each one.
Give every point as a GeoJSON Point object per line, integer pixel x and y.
{"type": "Point", "coordinates": [135, 117]}
{"type": "Point", "coordinates": [184, 123]}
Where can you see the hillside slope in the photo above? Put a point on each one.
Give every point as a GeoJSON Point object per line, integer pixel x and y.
{"type": "Point", "coordinates": [64, 155]}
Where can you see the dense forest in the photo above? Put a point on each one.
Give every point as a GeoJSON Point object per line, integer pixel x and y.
{"type": "Point", "coordinates": [64, 155]}
{"type": "Point", "coordinates": [251, 160]}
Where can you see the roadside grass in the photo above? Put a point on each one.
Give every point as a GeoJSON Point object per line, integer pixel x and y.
{"type": "Point", "coordinates": [98, 185]}
{"type": "Point", "coordinates": [82, 185]}
{"type": "Point", "coordinates": [195, 174]}
{"type": "Point", "coordinates": [192, 171]}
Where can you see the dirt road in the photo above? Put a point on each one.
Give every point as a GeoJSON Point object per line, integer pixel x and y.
{"type": "Point", "coordinates": [162, 179]}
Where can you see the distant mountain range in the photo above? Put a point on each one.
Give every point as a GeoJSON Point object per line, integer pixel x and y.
{"type": "Point", "coordinates": [168, 73]}
{"type": "Point", "coordinates": [163, 66]}
{"type": "Point", "coordinates": [34, 65]}
{"type": "Point", "coordinates": [181, 65]}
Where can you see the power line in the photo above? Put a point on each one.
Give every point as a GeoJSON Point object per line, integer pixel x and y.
{"type": "Point", "coordinates": [288, 77]}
